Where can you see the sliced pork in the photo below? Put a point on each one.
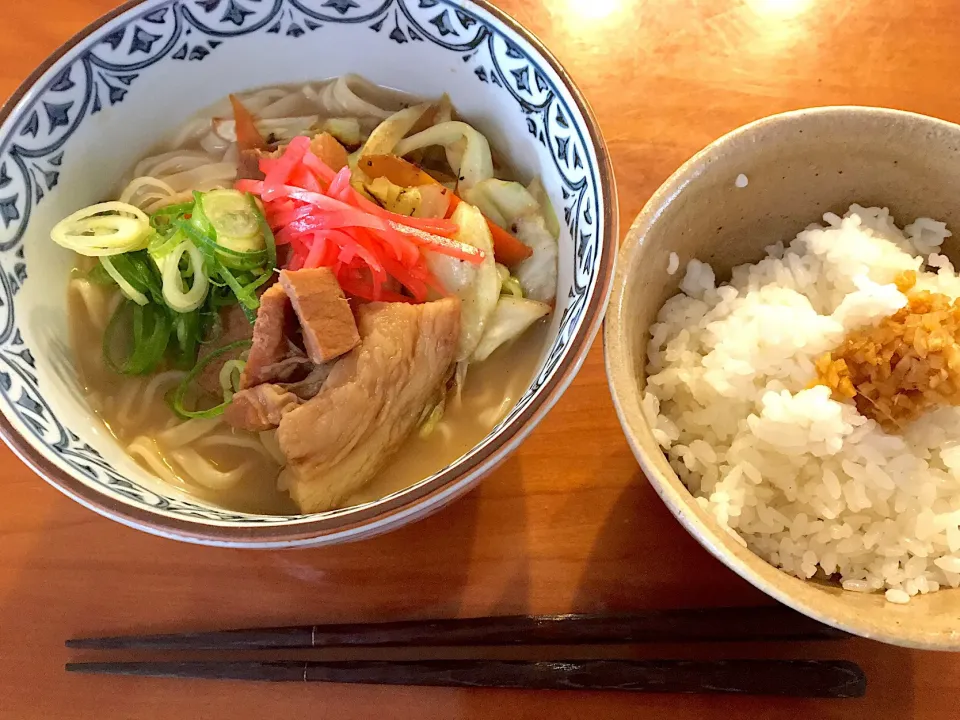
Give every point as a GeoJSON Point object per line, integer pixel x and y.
{"type": "Point", "coordinates": [270, 337]}
{"type": "Point", "coordinates": [326, 320]}
{"type": "Point", "coordinates": [260, 408]}
{"type": "Point", "coordinates": [372, 399]}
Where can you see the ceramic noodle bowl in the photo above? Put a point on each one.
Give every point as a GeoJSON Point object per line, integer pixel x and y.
{"type": "Point", "coordinates": [107, 97]}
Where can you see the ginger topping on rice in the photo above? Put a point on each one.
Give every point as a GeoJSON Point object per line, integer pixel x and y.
{"type": "Point", "coordinates": [907, 364]}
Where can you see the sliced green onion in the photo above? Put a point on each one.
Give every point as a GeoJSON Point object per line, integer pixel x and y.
{"type": "Point", "coordinates": [159, 245]}
{"type": "Point", "coordinates": [259, 281]}
{"type": "Point", "coordinates": [163, 217]}
{"type": "Point", "coordinates": [126, 288]}
{"type": "Point", "coordinates": [188, 328]}
{"type": "Point", "coordinates": [151, 333]}
{"type": "Point", "coordinates": [98, 275]}
{"type": "Point", "coordinates": [269, 240]}
{"type": "Point", "coordinates": [247, 299]}
{"type": "Point", "coordinates": [184, 386]}
{"type": "Point", "coordinates": [173, 293]}
{"type": "Point", "coordinates": [217, 255]}
{"type": "Point", "coordinates": [137, 270]}
{"type": "Point", "coordinates": [109, 228]}
{"type": "Point", "coordinates": [230, 378]}
{"type": "Point", "coordinates": [235, 225]}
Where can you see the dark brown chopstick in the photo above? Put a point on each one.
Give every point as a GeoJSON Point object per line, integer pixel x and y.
{"type": "Point", "coordinates": [769, 623]}
{"type": "Point", "coordinates": [794, 678]}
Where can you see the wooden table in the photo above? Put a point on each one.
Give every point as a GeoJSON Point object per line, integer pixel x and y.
{"type": "Point", "coordinates": [567, 524]}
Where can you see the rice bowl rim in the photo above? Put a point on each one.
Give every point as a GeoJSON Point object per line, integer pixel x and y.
{"type": "Point", "coordinates": [804, 596]}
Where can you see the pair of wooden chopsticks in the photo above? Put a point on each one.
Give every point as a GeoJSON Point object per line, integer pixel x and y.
{"type": "Point", "coordinates": [798, 678]}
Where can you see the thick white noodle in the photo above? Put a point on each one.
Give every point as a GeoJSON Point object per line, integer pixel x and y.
{"type": "Point", "coordinates": [98, 304]}
{"type": "Point", "coordinates": [150, 194]}
{"type": "Point", "coordinates": [255, 101]}
{"type": "Point", "coordinates": [343, 98]}
{"type": "Point", "coordinates": [224, 439]}
{"type": "Point", "coordinates": [272, 446]}
{"type": "Point", "coordinates": [187, 431]}
{"type": "Point", "coordinates": [146, 450]}
{"type": "Point", "coordinates": [157, 382]}
{"type": "Point", "coordinates": [203, 178]}
{"type": "Point", "coordinates": [169, 163]}
{"type": "Point", "coordinates": [191, 132]}
{"type": "Point", "coordinates": [204, 473]}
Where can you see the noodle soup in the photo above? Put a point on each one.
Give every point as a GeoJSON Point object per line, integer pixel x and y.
{"type": "Point", "coordinates": [312, 297]}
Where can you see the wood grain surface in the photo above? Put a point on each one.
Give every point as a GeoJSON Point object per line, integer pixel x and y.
{"type": "Point", "coordinates": [568, 524]}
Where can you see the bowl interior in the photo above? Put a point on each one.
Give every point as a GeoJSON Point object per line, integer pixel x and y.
{"type": "Point", "coordinates": [129, 81]}
{"type": "Point", "coordinates": [798, 166]}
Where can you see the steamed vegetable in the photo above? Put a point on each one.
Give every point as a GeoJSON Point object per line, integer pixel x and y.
{"type": "Point", "coordinates": [509, 285]}
{"type": "Point", "coordinates": [395, 169]}
{"type": "Point", "coordinates": [512, 317]}
{"type": "Point", "coordinates": [477, 286]}
{"type": "Point", "coordinates": [537, 191]}
{"type": "Point", "coordinates": [518, 209]}
{"type": "Point", "coordinates": [398, 171]}
{"type": "Point", "coordinates": [538, 274]}
{"type": "Point", "coordinates": [477, 163]}
{"type": "Point", "coordinates": [346, 130]}
{"type": "Point", "coordinates": [392, 130]}
{"type": "Point", "coordinates": [425, 201]}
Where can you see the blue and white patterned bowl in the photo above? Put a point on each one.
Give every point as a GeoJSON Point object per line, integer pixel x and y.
{"type": "Point", "coordinates": [104, 98]}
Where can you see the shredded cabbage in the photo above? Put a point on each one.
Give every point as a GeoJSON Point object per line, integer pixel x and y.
{"type": "Point", "coordinates": [477, 286]}
{"type": "Point", "coordinates": [391, 131]}
{"type": "Point", "coordinates": [509, 285]}
{"type": "Point", "coordinates": [346, 130]}
{"type": "Point", "coordinates": [538, 273]}
{"type": "Point", "coordinates": [455, 151]}
{"type": "Point", "coordinates": [477, 163]}
{"type": "Point", "coordinates": [511, 205]}
{"type": "Point", "coordinates": [539, 193]}
{"type": "Point", "coordinates": [511, 318]}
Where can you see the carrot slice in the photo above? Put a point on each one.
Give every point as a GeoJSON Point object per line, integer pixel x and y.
{"type": "Point", "coordinates": [248, 136]}
{"type": "Point", "coordinates": [506, 248]}
{"type": "Point", "coordinates": [395, 169]}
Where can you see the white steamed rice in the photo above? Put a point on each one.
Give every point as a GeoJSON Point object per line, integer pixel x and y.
{"type": "Point", "coordinates": [805, 481]}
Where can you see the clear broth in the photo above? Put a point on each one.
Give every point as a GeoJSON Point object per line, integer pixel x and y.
{"type": "Point", "coordinates": [491, 390]}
